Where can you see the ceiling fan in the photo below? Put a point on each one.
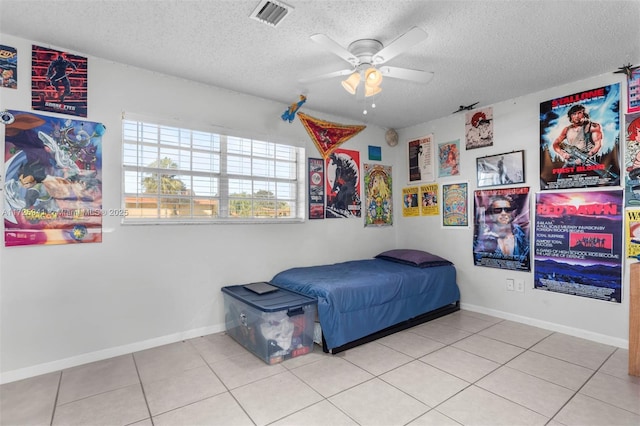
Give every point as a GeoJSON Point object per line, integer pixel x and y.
{"type": "Point", "coordinates": [367, 56]}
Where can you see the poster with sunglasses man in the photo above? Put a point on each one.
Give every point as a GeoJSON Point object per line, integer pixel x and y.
{"type": "Point", "coordinates": [501, 229]}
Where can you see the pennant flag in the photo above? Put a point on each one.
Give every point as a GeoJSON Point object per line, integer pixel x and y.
{"type": "Point", "coordinates": [328, 136]}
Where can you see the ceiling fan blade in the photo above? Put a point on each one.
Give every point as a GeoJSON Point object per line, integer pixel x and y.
{"type": "Point", "coordinates": [407, 74]}
{"type": "Point", "coordinates": [412, 37]}
{"type": "Point", "coordinates": [325, 76]}
{"type": "Point", "coordinates": [335, 48]}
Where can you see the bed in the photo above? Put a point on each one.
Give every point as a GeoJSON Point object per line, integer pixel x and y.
{"type": "Point", "coordinates": [363, 300]}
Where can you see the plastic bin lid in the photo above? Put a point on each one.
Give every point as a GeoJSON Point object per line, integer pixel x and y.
{"type": "Point", "coordinates": [274, 301]}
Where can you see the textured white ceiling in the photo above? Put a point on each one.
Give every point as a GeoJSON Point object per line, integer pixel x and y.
{"type": "Point", "coordinates": [480, 51]}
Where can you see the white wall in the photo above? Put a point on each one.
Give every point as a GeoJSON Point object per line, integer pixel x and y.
{"type": "Point", "coordinates": [144, 286]}
{"type": "Point", "coordinates": [516, 127]}
{"type": "Point", "coordinates": [148, 285]}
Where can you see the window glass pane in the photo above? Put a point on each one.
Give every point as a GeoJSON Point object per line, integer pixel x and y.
{"type": "Point", "coordinates": [285, 170]}
{"type": "Point", "coordinates": [239, 165]}
{"type": "Point", "coordinates": [240, 187]}
{"type": "Point", "coordinates": [239, 145]}
{"type": "Point", "coordinates": [285, 190]}
{"type": "Point", "coordinates": [205, 162]}
{"type": "Point", "coordinates": [264, 189]}
{"type": "Point", "coordinates": [240, 208]}
{"type": "Point", "coordinates": [205, 186]}
{"type": "Point", "coordinates": [205, 208]}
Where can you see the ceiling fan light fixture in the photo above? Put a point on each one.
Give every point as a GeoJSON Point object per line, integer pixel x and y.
{"type": "Point", "coordinates": [371, 90]}
{"type": "Point", "coordinates": [373, 77]}
{"type": "Point", "coordinates": [351, 83]}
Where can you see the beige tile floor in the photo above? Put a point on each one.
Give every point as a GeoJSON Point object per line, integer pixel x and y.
{"type": "Point", "coordinates": [462, 369]}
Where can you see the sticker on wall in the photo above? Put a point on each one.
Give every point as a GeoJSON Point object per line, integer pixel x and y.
{"type": "Point", "coordinates": [58, 81]}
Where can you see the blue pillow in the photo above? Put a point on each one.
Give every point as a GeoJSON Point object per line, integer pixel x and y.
{"type": "Point", "coordinates": [418, 258]}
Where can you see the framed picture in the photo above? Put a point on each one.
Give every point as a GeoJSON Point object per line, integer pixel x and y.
{"type": "Point", "coordinates": [420, 156]}
{"type": "Point", "coordinates": [500, 169]}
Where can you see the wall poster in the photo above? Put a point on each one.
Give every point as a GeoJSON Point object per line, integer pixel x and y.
{"type": "Point", "coordinates": [633, 91]}
{"type": "Point", "coordinates": [578, 246]}
{"type": "Point", "coordinates": [449, 158]}
{"type": "Point", "coordinates": [580, 139]}
{"type": "Point", "coordinates": [429, 200]}
{"type": "Point", "coordinates": [501, 229]}
{"type": "Point", "coordinates": [58, 82]}
{"type": "Point", "coordinates": [410, 204]}
{"type": "Point", "coordinates": [632, 159]}
{"type": "Point", "coordinates": [316, 188]}
{"type": "Point", "coordinates": [479, 128]}
{"type": "Point", "coordinates": [53, 187]}
{"type": "Point", "coordinates": [343, 184]}
{"type": "Point", "coordinates": [455, 205]}
{"type": "Point", "coordinates": [632, 231]}
{"type": "Point", "coordinates": [420, 155]}
{"type": "Point", "coordinates": [378, 195]}
{"type": "Point", "coordinates": [8, 67]}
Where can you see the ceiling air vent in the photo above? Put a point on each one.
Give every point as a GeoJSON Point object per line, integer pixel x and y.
{"type": "Point", "coordinates": [270, 12]}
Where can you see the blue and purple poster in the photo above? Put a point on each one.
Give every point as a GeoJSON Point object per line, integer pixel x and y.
{"type": "Point", "coordinates": [578, 244]}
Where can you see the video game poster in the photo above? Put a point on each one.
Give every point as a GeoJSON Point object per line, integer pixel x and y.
{"type": "Point", "coordinates": [8, 67]}
{"type": "Point", "coordinates": [378, 195]}
{"type": "Point", "coordinates": [501, 229]}
{"type": "Point", "coordinates": [578, 244]}
{"type": "Point", "coordinates": [58, 82]}
{"type": "Point", "coordinates": [343, 184]}
{"type": "Point", "coordinates": [53, 173]}
{"type": "Point", "coordinates": [316, 188]}
{"type": "Point", "coordinates": [580, 139]}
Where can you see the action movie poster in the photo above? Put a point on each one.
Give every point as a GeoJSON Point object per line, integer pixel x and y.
{"type": "Point", "coordinates": [429, 200]}
{"type": "Point", "coordinates": [410, 204]}
{"type": "Point", "coordinates": [580, 139]}
{"type": "Point", "coordinates": [455, 205]}
{"type": "Point", "coordinates": [343, 184]}
{"type": "Point", "coordinates": [578, 246]}
{"type": "Point", "coordinates": [58, 82]}
{"type": "Point", "coordinates": [8, 67]}
{"type": "Point", "coordinates": [316, 188]}
{"type": "Point", "coordinates": [501, 229]}
{"type": "Point", "coordinates": [632, 159]}
{"type": "Point", "coordinates": [378, 196]}
{"type": "Point", "coordinates": [449, 158]}
{"type": "Point", "coordinates": [53, 173]}
{"type": "Point", "coordinates": [632, 231]}
{"type": "Point", "coordinates": [420, 159]}
{"type": "Point", "coordinates": [479, 128]}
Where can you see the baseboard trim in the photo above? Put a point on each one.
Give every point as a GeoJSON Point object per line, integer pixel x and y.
{"type": "Point", "coordinates": [571, 331]}
{"type": "Point", "coordinates": [74, 361]}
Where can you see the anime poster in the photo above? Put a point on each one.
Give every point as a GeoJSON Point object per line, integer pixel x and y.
{"type": "Point", "coordinates": [420, 159]}
{"type": "Point", "coordinates": [378, 196]}
{"type": "Point", "coordinates": [316, 188]}
{"type": "Point", "coordinates": [578, 247]}
{"type": "Point", "coordinates": [53, 172]}
{"type": "Point", "coordinates": [449, 158]}
{"type": "Point", "coordinates": [429, 200]}
{"type": "Point", "coordinates": [8, 67]}
{"type": "Point", "coordinates": [632, 231]}
{"type": "Point", "coordinates": [501, 229]}
{"type": "Point", "coordinates": [343, 184]}
{"type": "Point", "coordinates": [633, 91]}
{"type": "Point", "coordinates": [479, 128]}
{"type": "Point", "coordinates": [455, 205]}
{"type": "Point", "coordinates": [632, 159]}
{"type": "Point", "coordinates": [58, 82]}
{"type": "Point", "coordinates": [580, 139]}
{"type": "Point", "coordinates": [410, 205]}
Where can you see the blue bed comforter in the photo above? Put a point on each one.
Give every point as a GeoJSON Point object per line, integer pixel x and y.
{"type": "Point", "coordinates": [361, 297]}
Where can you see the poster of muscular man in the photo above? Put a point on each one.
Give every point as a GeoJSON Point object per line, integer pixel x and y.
{"type": "Point", "coordinates": [580, 139]}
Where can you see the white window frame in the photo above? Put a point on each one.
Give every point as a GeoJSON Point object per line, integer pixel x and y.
{"type": "Point", "coordinates": [275, 168]}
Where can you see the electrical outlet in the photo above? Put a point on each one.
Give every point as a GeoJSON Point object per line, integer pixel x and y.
{"type": "Point", "coordinates": [510, 284]}
{"type": "Point", "coordinates": [520, 285]}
